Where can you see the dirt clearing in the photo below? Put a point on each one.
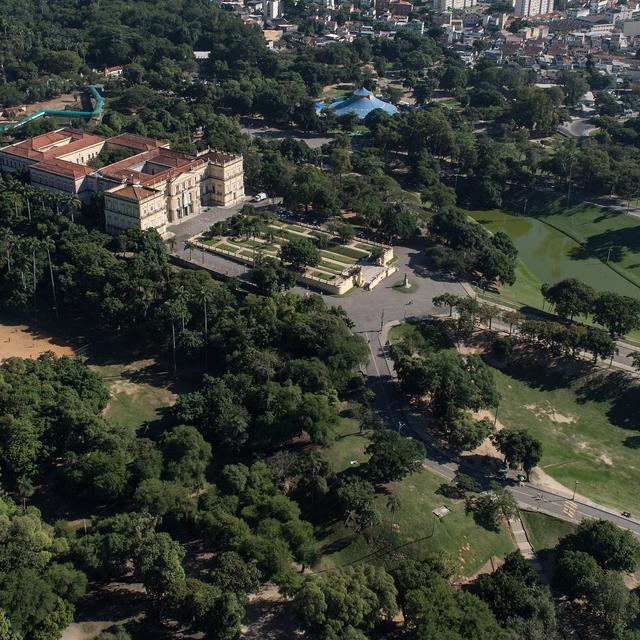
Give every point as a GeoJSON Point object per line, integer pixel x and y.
{"type": "Point", "coordinates": [22, 341]}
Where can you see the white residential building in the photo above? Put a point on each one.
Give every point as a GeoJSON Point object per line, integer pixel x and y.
{"type": "Point", "coordinates": [272, 10]}
{"type": "Point", "coordinates": [449, 5]}
{"type": "Point", "coordinates": [527, 8]}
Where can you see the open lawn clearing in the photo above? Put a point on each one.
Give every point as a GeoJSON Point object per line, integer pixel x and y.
{"type": "Point", "coordinates": [456, 534]}
{"type": "Point", "coordinates": [288, 235]}
{"type": "Point", "coordinates": [333, 91]}
{"type": "Point", "coordinates": [543, 531]}
{"type": "Point", "coordinates": [588, 423]}
{"type": "Point", "coordinates": [19, 340]}
{"type": "Point", "coordinates": [139, 392]}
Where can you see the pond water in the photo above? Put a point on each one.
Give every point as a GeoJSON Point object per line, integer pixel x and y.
{"type": "Point", "coordinates": [551, 256]}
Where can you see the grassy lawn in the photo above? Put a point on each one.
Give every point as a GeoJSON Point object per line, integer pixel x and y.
{"type": "Point", "coordinates": [348, 251]}
{"type": "Point", "coordinates": [588, 423]}
{"type": "Point", "coordinates": [544, 531]}
{"type": "Point", "coordinates": [400, 288]}
{"type": "Point", "coordinates": [228, 247]}
{"type": "Point", "coordinates": [336, 257]}
{"type": "Point", "coordinates": [401, 331]}
{"type": "Point", "coordinates": [598, 229]}
{"type": "Point", "coordinates": [456, 534]}
{"type": "Point", "coordinates": [330, 267]}
{"type": "Point", "coordinates": [339, 91]}
{"type": "Point", "coordinates": [138, 390]}
{"type": "Point", "coordinates": [323, 275]}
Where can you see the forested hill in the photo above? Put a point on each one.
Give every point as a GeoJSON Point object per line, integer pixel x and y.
{"type": "Point", "coordinates": [47, 44]}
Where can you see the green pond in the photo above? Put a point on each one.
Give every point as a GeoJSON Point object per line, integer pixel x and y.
{"type": "Point", "coordinates": [549, 255]}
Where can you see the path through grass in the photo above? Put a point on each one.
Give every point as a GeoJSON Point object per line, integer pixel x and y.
{"type": "Point", "coordinates": [589, 425]}
{"type": "Point", "coordinates": [456, 535]}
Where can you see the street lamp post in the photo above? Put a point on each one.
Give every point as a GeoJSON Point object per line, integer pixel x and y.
{"type": "Point", "coordinates": [575, 486]}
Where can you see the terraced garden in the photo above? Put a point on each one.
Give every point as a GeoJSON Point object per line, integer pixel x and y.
{"type": "Point", "coordinates": [337, 259]}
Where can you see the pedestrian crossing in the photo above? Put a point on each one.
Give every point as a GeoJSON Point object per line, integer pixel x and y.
{"type": "Point", "coordinates": [569, 508]}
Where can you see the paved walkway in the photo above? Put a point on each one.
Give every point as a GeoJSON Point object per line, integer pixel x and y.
{"type": "Point", "coordinates": [525, 548]}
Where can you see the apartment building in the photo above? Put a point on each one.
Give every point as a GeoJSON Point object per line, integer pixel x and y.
{"type": "Point", "coordinates": [454, 5]}
{"type": "Point", "coordinates": [529, 8]}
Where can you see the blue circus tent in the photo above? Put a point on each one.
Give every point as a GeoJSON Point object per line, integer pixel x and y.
{"type": "Point", "coordinates": [361, 103]}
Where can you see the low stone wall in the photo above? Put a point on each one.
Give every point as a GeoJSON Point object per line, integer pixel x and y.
{"type": "Point", "coordinates": [338, 286]}
{"type": "Point", "coordinates": [383, 274]}
{"type": "Point", "coordinates": [341, 286]}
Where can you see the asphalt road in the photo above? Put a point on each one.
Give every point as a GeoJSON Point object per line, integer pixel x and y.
{"type": "Point", "coordinates": [373, 313]}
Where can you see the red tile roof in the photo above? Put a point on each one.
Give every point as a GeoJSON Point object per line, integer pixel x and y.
{"type": "Point", "coordinates": [53, 145]}
{"type": "Point", "coordinates": [134, 141]}
{"type": "Point", "coordinates": [62, 167]}
{"type": "Point", "coordinates": [134, 192]}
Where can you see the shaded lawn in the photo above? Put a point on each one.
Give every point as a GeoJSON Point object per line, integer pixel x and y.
{"type": "Point", "coordinates": [545, 531]}
{"type": "Point", "coordinates": [138, 396]}
{"type": "Point", "coordinates": [323, 275]}
{"type": "Point", "coordinates": [401, 331]}
{"type": "Point", "coordinates": [456, 534]}
{"type": "Point", "coordinates": [594, 434]}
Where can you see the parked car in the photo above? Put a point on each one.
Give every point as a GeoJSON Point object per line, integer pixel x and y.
{"type": "Point", "coordinates": [259, 197]}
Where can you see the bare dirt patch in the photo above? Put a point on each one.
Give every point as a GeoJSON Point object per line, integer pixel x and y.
{"type": "Point", "coordinates": [550, 413]}
{"type": "Point", "coordinates": [606, 459]}
{"type": "Point", "coordinates": [59, 103]}
{"type": "Point", "coordinates": [22, 341]}
{"type": "Point", "coordinates": [487, 448]}
{"type": "Point", "coordinates": [269, 616]}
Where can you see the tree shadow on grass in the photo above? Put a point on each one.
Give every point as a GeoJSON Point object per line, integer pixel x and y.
{"type": "Point", "coordinates": [620, 241]}
{"type": "Point", "coordinates": [337, 545]}
{"type": "Point", "coordinates": [632, 442]}
{"type": "Point", "coordinates": [545, 372]}
{"type": "Point", "coordinates": [619, 389]}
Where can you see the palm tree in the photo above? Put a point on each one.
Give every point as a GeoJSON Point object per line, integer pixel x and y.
{"type": "Point", "coordinates": [172, 312]}
{"type": "Point", "coordinates": [393, 505]}
{"type": "Point", "coordinates": [8, 240]}
{"type": "Point", "coordinates": [189, 245]}
{"type": "Point", "coordinates": [49, 246]}
{"type": "Point", "coordinates": [172, 244]}
{"type": "Point", "coordinates": [206, 296]}
{"type": "Point", "coordinates": [32, 245]}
